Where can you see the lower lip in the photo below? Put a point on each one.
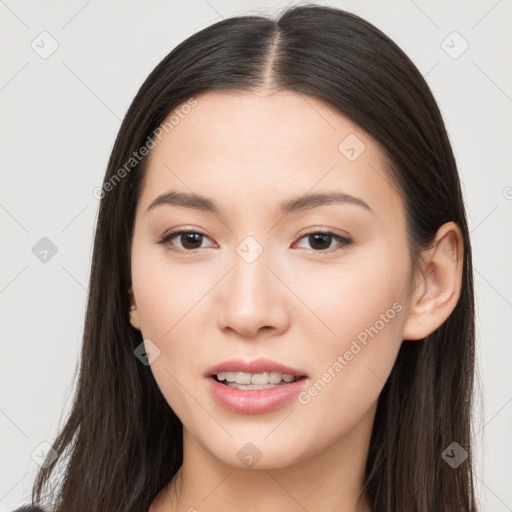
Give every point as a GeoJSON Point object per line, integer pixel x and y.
{"type": "Point", "coordinates": [254, 401]}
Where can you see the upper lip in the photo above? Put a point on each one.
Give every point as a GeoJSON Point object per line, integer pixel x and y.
{"type": "Point", "coordinates": [257, 366]}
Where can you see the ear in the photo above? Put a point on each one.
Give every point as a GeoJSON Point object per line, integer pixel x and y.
{"type": "Point", "coordinates": [437, 284]}
{"type": "Point", "coordinates": [134, 313]}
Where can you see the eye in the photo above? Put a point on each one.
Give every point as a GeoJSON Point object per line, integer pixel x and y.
{"type": "Point", "coordinates": [321, 240]}
{"type": "Point", "coordinates": [190, 240]}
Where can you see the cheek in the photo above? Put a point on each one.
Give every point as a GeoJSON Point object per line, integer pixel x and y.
{"type": "Point", "coordinates": [361, 316]}
{"type": "Point", "coordinates": [351, 372]}
{"type": "Point", "coordinates": [346, 301]}
{"type": "Point", "coordinates": [166, 292]}
{"type": "Point", "coordinates": [169, 304]}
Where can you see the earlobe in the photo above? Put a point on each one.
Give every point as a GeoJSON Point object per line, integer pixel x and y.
{"type": "Point", "coordinates": [134, 314]}
{"type": "Point", "coordinates": [134, 318]}
{"type": "Point", "coordinates": [438, 285]}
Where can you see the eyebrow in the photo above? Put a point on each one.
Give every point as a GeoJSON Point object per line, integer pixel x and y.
{"type": "Point", "coordinates": [304, 202]}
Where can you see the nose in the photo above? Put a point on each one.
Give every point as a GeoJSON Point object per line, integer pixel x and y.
{"type": "Point", "coordinates": [253, 297]}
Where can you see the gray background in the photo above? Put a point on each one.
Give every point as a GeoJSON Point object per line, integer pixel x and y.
{"type": "Point", "coordinates": [60, 116]}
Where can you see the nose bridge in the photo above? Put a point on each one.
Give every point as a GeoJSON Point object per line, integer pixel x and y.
{"type": "Point", "coordinates": [252, 298]}
{"type": "Point", "coordinates": [250, 274]}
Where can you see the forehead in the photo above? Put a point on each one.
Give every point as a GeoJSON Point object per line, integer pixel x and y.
{"type": "Point", "coordinates": [249, 150]}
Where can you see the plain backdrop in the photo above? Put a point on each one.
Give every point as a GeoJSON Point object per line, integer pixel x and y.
{"type": "Point", "coordinates": [68, 73]}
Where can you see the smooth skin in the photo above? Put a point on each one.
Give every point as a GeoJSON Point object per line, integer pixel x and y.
{"type": "Point", "coordinates": [302, 302]}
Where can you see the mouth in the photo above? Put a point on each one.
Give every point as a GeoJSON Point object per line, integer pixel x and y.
{"type": "Point", "coordinates": [257, 386]}
{"type": "Point", "coordinates": [254, 398]}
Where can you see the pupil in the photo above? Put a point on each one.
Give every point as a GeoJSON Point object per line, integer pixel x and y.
{"type": "Point", "coordinates": [317, 237]}
{"type": "Point", "coordinates": [187, 238]}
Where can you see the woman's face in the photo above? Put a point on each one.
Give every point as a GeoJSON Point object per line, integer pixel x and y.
{"type": "Point", "coordinates": [260, 281]}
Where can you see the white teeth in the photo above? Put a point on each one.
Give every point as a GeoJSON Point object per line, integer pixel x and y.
{"type": "Point", "coordinates": [258, 379]}
{"type": "Point", "coordinates": [243, 378]}
{"type": "Point", "coordinates": [275, 377]}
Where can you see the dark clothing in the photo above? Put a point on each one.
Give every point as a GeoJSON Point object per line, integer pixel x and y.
{"type": "Point", "coordinates": [29, 508]}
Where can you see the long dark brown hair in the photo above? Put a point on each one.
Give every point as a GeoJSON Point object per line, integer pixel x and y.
{"type": "Point", "coordinates": [122, 443]}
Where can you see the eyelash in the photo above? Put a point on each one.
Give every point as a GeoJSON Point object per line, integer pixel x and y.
{"type": "Point", "coordinates": [343, 241]}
